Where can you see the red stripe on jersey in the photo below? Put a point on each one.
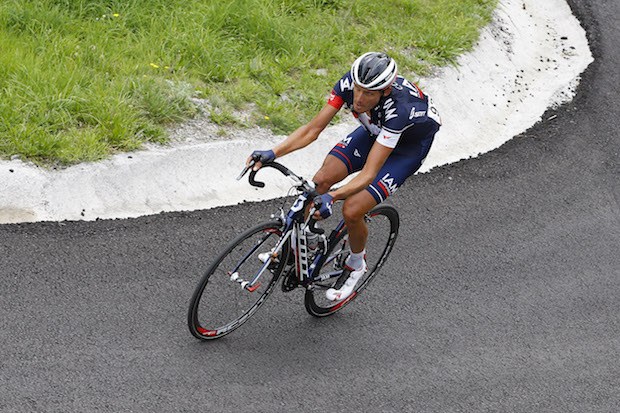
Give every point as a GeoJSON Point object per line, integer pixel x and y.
{"type": "Point", "coordinates": [335, 100]}
{"type": "Point", "coordinates": [419, 90]}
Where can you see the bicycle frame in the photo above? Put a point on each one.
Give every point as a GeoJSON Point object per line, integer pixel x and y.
{"type": "Point", "coordinates": [304, 269]}
{"type": "Point", "coordinates": [294, 222]}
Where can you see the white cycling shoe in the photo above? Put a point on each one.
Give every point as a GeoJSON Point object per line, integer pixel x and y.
{"type": "Point", "coordinates": [345, 284]}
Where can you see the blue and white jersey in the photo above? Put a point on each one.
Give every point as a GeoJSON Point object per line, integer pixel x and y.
{"type": "Point", "coordinates": [395, 115]}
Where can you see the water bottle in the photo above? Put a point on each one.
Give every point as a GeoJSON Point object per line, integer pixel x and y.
{"type": "Point", "coordinates": [312, 240]}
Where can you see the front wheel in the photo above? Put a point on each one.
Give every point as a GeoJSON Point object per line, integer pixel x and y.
{"type": "Point", "coordinates": [220, 305]}
{"type": "Point", "coordinates": [382, 222]}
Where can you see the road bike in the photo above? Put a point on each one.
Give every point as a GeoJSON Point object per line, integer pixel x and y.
{"type": "Point", "coordinates": [246, 272]}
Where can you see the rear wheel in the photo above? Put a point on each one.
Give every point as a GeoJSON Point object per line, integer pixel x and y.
{"type": "Point", "coordinates": [220, 305]}
{"type": "Point", "coordinates": [383, 223]}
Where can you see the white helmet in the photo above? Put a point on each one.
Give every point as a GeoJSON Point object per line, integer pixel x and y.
{"type": "Point", "coordinates": [374, 71]}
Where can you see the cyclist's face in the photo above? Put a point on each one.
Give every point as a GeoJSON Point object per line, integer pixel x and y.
{"type": "Point", "coordinates": [364, 99]}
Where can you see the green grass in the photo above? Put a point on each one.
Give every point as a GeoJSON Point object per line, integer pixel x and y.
{"type": "Point", "coordinates": [80, 80]}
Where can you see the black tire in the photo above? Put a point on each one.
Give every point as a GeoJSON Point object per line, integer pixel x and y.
{"type": "Point", "coordinates": [219, 305]}
{"type": "Point", "coordinates": [383, 223]}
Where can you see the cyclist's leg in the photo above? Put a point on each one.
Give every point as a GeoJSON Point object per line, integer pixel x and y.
{"type": "Point", "coordinates": [348, 156]}
{"type": "Point", "coordinates": [395, 170]}
{"type": "Point", "coordinates": [332, 171]}
{"type": "Point", "coordinates": [400, 165]}
{"type": "Point", "coordinates": [354, 209]}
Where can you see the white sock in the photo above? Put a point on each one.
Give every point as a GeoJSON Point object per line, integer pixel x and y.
{"type": "Point", "coordinates": [355, 261]}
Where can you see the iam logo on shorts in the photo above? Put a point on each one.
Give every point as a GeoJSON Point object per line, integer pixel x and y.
{"type": "Point", "coordinates": [387, 184]}
{"type": "Point", "coordinates": [345, 142]}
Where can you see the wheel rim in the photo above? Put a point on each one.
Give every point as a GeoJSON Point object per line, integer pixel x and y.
{"type": "Point", "coordinates": [220, 305]}
{"type": "Point", "coordinates": [383, 229]}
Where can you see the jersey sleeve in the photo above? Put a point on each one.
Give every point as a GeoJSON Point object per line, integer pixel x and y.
{"type": "Point", "coordinates": [335, 100]}
{"type": "Point", "coordinates": [395, 121]}
{"type": "Point", "coordinates": [342, 94]}
{"type": "Point", "coordinates": [388, 139]}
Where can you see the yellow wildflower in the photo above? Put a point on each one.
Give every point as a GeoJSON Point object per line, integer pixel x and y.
{"type": "Point", "coordinates": [154, 65]}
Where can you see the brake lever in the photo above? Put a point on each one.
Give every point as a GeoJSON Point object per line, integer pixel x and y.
{"type": "Point", "coordinates": [246, 169]}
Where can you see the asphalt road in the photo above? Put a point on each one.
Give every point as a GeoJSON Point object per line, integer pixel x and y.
{"type": "Point", "coordinates": [502, 295]}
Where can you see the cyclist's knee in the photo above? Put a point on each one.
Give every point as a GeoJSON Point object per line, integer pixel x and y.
{"type": "Point", "coordinates": [323, 181]}
{"type": "Point", "coordinates": [356, 206]}
{"type": "Point", "coordinates": [352, 212]}
{"type": "Point", "coordinates": [332, 171]}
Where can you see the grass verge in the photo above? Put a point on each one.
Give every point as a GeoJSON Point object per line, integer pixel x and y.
{"type": "Point", "coordinates": [82, 79]}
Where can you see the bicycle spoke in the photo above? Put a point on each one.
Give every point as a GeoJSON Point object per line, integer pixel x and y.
{"type": "Point", "coordinates": [222, 304]}
{"type": "Point", "coordinates": [382, 224]}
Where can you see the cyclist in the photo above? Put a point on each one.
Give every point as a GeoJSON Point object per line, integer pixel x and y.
{"type": "Point", "coordinates": [398, 125]}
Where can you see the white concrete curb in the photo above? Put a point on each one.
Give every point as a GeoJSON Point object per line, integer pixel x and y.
{"type": "Point", "coordinates": [528, 59]}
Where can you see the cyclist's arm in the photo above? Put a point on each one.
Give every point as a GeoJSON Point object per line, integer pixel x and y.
{"type": "Point", "coordinates": [308, 133]}
{"type": "Point", "coordinates": [376, 158]}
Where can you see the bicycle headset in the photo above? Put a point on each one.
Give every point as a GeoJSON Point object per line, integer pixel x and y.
{"type": "Point", "coordinates": [374, 71]}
